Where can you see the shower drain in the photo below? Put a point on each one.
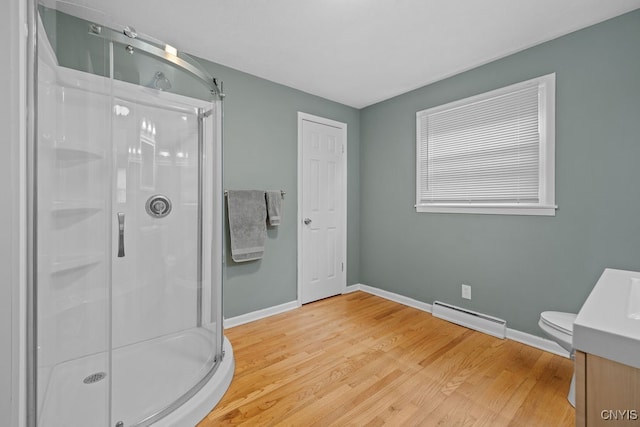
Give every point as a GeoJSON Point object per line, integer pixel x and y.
{"type": "Point", "coordinates": [94, 378]}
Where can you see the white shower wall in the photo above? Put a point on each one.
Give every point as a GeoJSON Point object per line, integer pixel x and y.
{"type": "Point", "coordinates": [72, 232]}
{"type": "Point", "coordinates": [155, 285]}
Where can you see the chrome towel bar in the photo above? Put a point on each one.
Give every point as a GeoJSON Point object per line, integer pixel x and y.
{"type": "Point", "coordinates": [282, 192]}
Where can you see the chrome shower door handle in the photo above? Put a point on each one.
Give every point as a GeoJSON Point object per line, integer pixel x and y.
{"type": "Point", "coordinates": [120, 234]}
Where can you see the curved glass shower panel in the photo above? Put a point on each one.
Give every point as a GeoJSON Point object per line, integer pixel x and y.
{"type": "Point", "coordinates": [128, 230]}
{"type": "Point", "coordinates": [72, 230]}
{"type": "Point", "coordinates": [67, 34]}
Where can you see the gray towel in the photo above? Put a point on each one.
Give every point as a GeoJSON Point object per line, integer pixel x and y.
{"type": "Point", "coordinates": [274, 204]}
{"type": "Point", "coordinates": [247, 217]}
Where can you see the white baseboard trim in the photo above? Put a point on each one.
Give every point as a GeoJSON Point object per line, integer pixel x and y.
{"type": "Point", "coordinates": [390, 296]}
{"type": "Point", "coordinates": [351, 288]}
{"type": "Point", "coordinates": [260, 314]}
{"type": "Point", "coordinates": [512, 334]}
{"type": "Point", "coordinates": [537, 342]}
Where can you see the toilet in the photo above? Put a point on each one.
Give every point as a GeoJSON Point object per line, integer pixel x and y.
{"type": "Point", "coordinates": [558, 326]}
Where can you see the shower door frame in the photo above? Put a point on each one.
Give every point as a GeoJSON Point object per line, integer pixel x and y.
{"type": "Point", "coordinates": [216, 255]}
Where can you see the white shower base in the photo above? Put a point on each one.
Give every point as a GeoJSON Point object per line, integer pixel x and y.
{"type": "Point", "coordinates": [146, 377]}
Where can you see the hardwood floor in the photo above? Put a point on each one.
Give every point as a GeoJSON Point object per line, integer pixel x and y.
{"type": "Point", "coordinates": [357, 359]}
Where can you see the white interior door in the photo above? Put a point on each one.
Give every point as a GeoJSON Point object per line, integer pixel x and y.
{"type": "Point", "coordinates": [322, 249]}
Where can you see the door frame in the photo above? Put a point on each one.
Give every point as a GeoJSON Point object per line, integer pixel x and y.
{"type": "Point", "coordinates": [343, 217]}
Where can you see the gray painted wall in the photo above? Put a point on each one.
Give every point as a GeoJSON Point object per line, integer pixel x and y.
{"type": "Point", "coordinates": [516, 266]}
{"type": "Point", "coordinates": [260, 152]}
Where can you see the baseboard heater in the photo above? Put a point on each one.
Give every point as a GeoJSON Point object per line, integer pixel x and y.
{"type": "Point", "coordinates": [471, 319]}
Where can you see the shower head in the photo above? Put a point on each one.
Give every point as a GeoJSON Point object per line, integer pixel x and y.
{"type": "Point", "coordinates": [160, 81]}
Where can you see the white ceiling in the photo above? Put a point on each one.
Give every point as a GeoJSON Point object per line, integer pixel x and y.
{"type": "Point", "coordinates": [357, 52]}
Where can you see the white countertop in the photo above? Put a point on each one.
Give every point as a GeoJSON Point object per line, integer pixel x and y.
{"type": "Point", "coordinates": [608, 324]}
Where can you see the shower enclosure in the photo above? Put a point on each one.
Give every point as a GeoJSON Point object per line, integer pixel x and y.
{"type": "Point", "coordinates": [126, 297]}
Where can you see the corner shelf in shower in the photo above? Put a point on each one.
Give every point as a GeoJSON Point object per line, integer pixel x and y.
{"type": "Point", "coordinates": [66, 213]}
{"type": "Point", "coordinates": [64, 263]}
{"type": "Point", "coordinates": [76, 207]}
{"type": "Point", "coordinates": [69, 155]}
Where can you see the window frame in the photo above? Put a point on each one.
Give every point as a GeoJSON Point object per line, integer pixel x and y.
{"type": "Point", "coordinates": [546, 165]}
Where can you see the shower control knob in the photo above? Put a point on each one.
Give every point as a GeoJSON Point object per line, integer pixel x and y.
{"type": "Point", "coordinates": [158, 206]}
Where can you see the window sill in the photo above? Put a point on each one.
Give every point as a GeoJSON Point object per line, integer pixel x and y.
{"type": "Point", "coordinates": [489, 209]}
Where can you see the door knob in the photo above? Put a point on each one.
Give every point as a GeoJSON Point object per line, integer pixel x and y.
{"type": "Point", "coordinates": [307, 221]}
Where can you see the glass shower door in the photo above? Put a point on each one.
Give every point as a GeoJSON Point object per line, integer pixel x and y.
{"type": "Point", "coordinates": [158, 353]}
{"type": "Point", "coordinates": [164, 339]}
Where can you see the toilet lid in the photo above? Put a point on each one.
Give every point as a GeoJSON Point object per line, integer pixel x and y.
{"type": "Point", "coordinates": [559, 320]}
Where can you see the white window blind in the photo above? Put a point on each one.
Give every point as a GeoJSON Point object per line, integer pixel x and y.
{"type": "Point", "coordinates": [489, 151]}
